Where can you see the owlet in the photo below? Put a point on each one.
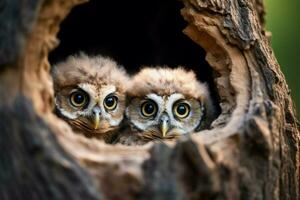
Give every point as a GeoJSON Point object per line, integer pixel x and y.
{"type": "Point", "coordinates": [90, 94]}
{"type": "Point", "coordinates": [165, 103]}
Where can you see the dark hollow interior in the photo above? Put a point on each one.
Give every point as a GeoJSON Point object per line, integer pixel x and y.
{"type": "Point", "coordinates": [135, 33]}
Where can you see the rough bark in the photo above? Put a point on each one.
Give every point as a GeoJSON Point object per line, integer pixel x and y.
{"type": "Point", "coordinates": [252, 152]}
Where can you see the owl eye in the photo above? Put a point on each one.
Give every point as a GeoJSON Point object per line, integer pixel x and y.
{"type": "Point", "coordinates": [181, 110]}
{"type": "Point", "coordinates": [78, 98]}
{"type": "Point", "coordinates": [149, 108]}
{"type": "Point", "coordinates": [110, 102]}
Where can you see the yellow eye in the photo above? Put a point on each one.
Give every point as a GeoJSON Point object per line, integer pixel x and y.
{"type": "Point", "coordinates": [149, 108]}
{"type": "Point", "coordinates": [181, 110]}
{"type": "Point", "coordinates": [79, 98]}
{"type": "Point", "coordinates": [110, 102]}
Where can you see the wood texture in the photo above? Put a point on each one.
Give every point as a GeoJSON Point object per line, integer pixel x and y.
{"type": "Point", "coordinates": [252, 152]}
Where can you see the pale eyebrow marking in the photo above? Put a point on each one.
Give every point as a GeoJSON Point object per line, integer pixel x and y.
{"type": "Point", "coordinates": [154, 96]}
{"type": "Point", "coordinates": [175, 97]}
{"type": "Point", "coordinates": [109, 90]}
{"type": "Point", "coordinates": [88, 88]}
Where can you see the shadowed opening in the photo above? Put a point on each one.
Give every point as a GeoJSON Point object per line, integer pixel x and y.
{"type": "Point", "coordinates": [134, 33]}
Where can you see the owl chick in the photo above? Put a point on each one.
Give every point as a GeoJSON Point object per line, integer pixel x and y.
{"type": "Point", "coordinates": [90, 94]}
{"type": "Point", "coordinates": [166, 103]}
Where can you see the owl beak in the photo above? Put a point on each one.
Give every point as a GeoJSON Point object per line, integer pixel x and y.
{"type": "Point", "coordinates": [96, 117]}
{"type": "Point", "coordinates": [164, 128]}
{"type": "Point", "coordinates": [164, 125]}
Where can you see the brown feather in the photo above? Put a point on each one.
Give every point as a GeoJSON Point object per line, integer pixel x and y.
{"type": "Point", "coordinates": [95, 70]}
{"type": "Point", "coordinates": [166, 81]}
{"type": "Point", "coordinates": [98, 74]}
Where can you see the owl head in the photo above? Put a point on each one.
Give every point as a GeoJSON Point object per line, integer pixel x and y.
{"type": "Point", "coordinates": [90, 93]}
{"type": "Point", "coordinates": [167, 103]}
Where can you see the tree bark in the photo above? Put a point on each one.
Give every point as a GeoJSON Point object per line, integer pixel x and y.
{"type": "Point", "coordinates": [252, 152]}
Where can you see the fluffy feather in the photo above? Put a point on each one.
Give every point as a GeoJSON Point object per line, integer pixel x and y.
{"type": "Point", "coordinates": [98, 77]}
{"type": "Point", "coordinates": [95, 70]}
{"type": "Point", "coordinates": [167, 81]}
{"type": "Point", "coordinates": [166, 87]}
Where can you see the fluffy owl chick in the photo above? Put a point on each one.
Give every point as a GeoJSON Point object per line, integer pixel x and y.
{"type": "Point", "coordinates": [90, 94]}
{"type": "Point", "coordinates": [165, 103]}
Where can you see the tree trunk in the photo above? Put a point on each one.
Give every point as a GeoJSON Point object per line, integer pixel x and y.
{"type": "Point", "coordinates": [252, 152]}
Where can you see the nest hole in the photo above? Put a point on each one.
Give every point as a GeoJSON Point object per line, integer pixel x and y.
{"type": "Point", "coordinates": [135, 34]}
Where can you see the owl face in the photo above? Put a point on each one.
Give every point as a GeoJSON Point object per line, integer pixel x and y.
{"type": "Point", "coordinates": [167, 103]}
{"type": "Point", "coordinates": [91, 109]}
{"type": "Point", "coordinates": [165, 116]}
{"type": "Point", "coordinates": [90, 94]}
